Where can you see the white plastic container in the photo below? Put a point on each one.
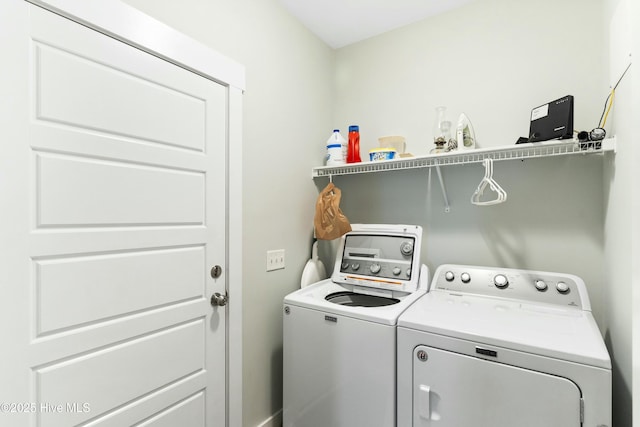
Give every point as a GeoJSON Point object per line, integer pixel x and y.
{"type": "Point", "coordinates": [396, 142]}
{"type": "Point", "coordinates": [336, 149]}
{"type": "Point", "coordinates": [378, 154]}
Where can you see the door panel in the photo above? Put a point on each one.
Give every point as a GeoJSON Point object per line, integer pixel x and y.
{"type": "Point", "coordinates": [113, 191]}
{"type": "Point", "coordinates": [189, 412]}
{"type": "Point", "coordinates": [77, 192]}
{"type": "Point", "coordinates": [456, 390]}
{"type": "Point", "coordinates": [69, 83]}
{"type": "Point", "coordinates": [110, 377]}
{"type": "Point", "coordinates": [100, 281]}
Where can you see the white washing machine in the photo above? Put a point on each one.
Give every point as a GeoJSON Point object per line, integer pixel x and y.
{"type": "Point", "coordinates": [496, 347]}
{"type": "Point", "coordinates": [339, 356]}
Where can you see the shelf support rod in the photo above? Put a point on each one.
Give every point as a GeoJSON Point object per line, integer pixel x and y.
{"type": "Point", "coordinates": [447, 208]}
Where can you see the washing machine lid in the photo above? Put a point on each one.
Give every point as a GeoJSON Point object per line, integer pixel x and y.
{"type": "Point", "coordinates": [314, 297]}
{"type": "Point", "coordinates": [566, 334]}
{"type": "Point", "coordinates": [383, 256]}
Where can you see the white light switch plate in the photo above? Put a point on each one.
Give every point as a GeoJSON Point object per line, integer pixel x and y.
{"type": "Point", "coordinates": [275, 259]}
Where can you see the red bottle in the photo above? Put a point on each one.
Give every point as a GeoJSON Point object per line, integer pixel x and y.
{"type": "Point", "coordinates": [353, 149]}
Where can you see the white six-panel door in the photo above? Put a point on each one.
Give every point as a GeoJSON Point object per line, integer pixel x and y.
{"type": "Point", "coordinates": [112, 189]}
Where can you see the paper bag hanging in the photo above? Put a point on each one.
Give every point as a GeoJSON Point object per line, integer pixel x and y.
{"type": "Point", "coordinates": [329, 222]}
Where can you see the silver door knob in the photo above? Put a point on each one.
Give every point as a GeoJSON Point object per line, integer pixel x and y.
{"type": "Point", "coordinates": [219, 300]}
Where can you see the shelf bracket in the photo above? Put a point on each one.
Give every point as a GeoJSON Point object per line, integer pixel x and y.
{"type": "Point", "coordinates": [447, 208]}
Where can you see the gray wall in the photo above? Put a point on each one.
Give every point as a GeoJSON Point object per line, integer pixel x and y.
{"type": "Point", "coordinates": [620, 176]}
{"type": "Point", "coordinates": [492, 59]}
{"type": "Point", "coordinates": [287, 108]}
{"type": "Point", "coordinates": [635, 275]}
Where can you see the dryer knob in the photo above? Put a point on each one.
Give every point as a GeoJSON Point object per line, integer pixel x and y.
{"type": "Point", "coordinates": [449, 276]}
{"type": "Point", "coordinates": [396, 271]}
{"type": "Point", "coordinates": [541, 285]}
{"type": "Point", "coordinates": [344, 265]}
{"type": "Point", "coordinates": [374, 268]}
{"type": "Point", "coordinates": [501, 281]}
{"type": "Point", "coordinates": [355, 266]}
{"type": "Point", "coordinates": [465, 277]}
{"type": "Point", "coordinates": [408, 272]}
{"type": "Point", "coordinates": [562, 287]}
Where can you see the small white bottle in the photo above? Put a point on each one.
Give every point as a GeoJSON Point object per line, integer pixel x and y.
{"type": "Point", "coordinates": [336, 149]}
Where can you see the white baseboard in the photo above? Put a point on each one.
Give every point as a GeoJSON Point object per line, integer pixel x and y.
{"type": "Point", "coordinates": [273, 421]}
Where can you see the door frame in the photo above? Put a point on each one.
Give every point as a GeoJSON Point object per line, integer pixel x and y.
{"type": "Point", "coordinates": [123, 22]}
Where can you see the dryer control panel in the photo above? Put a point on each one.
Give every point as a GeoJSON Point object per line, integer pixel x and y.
{"type": "Point", "coordinates": [527, 285]}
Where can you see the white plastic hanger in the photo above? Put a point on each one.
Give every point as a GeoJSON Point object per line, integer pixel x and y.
{"type": "Point", "coordinates": [488, 181]}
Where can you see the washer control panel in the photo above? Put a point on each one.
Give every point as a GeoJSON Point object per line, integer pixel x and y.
{"type": "Point", "coordinates": [380, 256]}
{"type": "Point", "coordinates": [534, 286]}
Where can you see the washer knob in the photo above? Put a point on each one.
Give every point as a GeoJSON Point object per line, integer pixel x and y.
{"type": "Point", "coordinates": [396, 271]}
{"type": "Point", "coordinates": [562, 287]}
{"type": "Point", "coordinates": [541, 285]}
{"type": "Point", "coordinates": [374, 268]}
{"type": "Point", "coordinates": [449, 276]}
{"type": "Point", "coordinates": [406, 248]}
{"type": "Point", "coordinates": [355, 266]}
{"type": "Point", "coordinates": [465, 277]}
{"type": "Point", "coordinates": [345, 265]}
{"type": "Point", "coordinates": [408, 272]}
{"type": "Point", "coordinates": [501, 281]}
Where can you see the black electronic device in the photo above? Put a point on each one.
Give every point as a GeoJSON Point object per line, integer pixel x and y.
{"type": "Point", "coordinates": [553, 120]}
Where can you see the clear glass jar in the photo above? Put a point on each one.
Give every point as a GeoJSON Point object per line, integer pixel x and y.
{"type": "Point", "coordinates": [441, 131]}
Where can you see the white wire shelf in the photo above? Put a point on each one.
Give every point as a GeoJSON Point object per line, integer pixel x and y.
{"type": "Point", "coordinates": [511, 152]}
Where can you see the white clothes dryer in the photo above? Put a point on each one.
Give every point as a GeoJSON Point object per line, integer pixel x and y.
{"type": "Point", "coordinates": [496, 347]}
{"type": "Point", "coordinates": [339, 356]}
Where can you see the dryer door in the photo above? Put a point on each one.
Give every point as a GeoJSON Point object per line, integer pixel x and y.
{"type": "Point", "coordinates": [455, 390]}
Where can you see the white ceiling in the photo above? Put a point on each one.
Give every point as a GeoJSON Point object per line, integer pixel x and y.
{"type": "Point", "coordinates": [342, 22]}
